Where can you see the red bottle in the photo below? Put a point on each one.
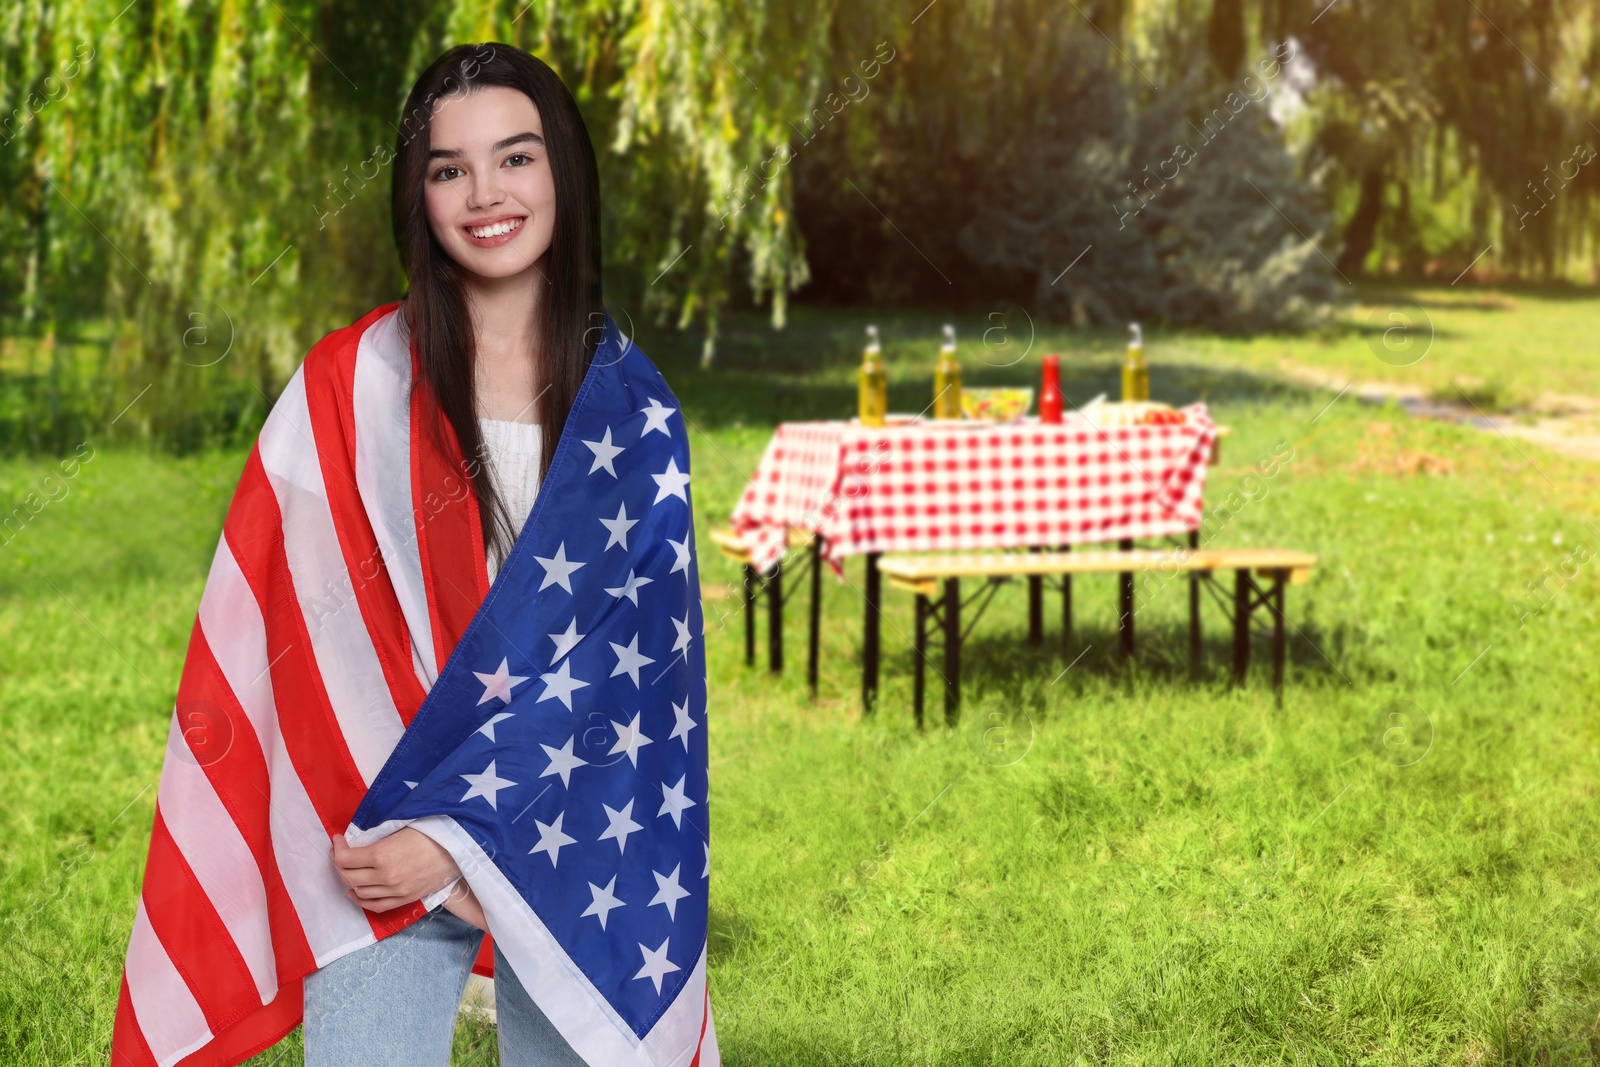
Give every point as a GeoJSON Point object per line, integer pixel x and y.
{"type": "Point", "coordinates": [1050, 393]}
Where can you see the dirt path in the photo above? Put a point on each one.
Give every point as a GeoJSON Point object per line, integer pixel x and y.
{"type": "Point", "coordinates": [1562, 423]}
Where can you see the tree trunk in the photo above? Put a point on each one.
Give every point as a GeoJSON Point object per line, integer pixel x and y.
{"type": "Point", "coordinates": [1225, 37]}
{"type": "Point", "coordinates": [1362, 229]}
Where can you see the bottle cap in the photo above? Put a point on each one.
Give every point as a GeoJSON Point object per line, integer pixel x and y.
{"type": "Point", "coordinates": [949, 337]}
{"type": "Point", "coordinates": [1135, 336]}
{"type": "Point", "coordinates": [872, 339]}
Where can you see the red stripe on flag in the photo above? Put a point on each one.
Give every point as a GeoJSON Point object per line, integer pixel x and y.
{"type": "Point", "coordinates": [484, 964]}
{"type": "Point", "coordinates": [449, 535]}
{"type": "Point", "coordinates": [128, 1046]}
{"type": "Point", "coordinates": [329, 378]}
{"type": "Point", "coordinates": [193, 934]}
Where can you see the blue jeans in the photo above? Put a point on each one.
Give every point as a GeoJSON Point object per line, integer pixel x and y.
{"type": "Point", "coordinates": [394, 1003]}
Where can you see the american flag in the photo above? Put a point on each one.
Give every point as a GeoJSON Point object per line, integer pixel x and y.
{"type": "Point", "coordinates": [559, 752]}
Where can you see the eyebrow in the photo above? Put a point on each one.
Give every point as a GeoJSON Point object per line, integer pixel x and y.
{"type": "Point", "coordinates": [516, 138]}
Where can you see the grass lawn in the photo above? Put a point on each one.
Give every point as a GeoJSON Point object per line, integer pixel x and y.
{"type": "Point", "coordinates": [1110, 864]}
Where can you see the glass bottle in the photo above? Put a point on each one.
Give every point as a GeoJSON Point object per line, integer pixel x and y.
{"type": "Point", "coordinates": [874, 382]}
{"type": "Point", "coordinates": [1050, 390]}
{"type": "Point", "coordinates": [947, 379]}
{"type": "Point", "coordinates": [1135, 374]}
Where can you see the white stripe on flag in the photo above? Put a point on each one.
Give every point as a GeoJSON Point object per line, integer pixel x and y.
{"type": "Point", "coordinates": [169, 1017]}
{"type": "Point", "coordinates": [231, 620]}
{"type": "Point", "coordinates": [350, 670]}
{"type": "Point", "coordinates": [383, 473]}
{"type": "Point", "coordinates": [222, 862]}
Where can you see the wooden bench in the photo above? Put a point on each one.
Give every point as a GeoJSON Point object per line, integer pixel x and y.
{"type": "Point", "coordinates": [771, 583]}
{"type": "Point", "coordinates": [936, 581]}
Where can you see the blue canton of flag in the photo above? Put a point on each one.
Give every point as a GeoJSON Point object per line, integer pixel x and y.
{"type": "Point", "coordinates": [561, 754]}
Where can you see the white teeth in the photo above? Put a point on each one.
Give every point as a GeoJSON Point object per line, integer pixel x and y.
{"type": "Point", "coordinates": [497, 229]}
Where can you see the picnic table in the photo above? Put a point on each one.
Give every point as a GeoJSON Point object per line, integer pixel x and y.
{"type": "Point", "coordinates": [930, 485]}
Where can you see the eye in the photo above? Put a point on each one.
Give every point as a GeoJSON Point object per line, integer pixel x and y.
{"type": "Point", "coordinates": [438, 175]}
{"type": "Point", "coordinates": [522, 156]}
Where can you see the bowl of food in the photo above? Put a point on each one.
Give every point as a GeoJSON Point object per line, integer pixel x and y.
{"type": "Point", "coordinates": [996, 405]}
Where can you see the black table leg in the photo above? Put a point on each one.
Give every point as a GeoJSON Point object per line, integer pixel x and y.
{"type": "Point", "coordinates": [1280, 579]}
{"type": "Point", "coordinates": [1195, 578]}
{"type": "Point", "coordinates": [869, 636]}
{"type": "Point", "coordinates": [816, 614]}
{"type": "Point", "coordinates": [1125, 619]}
{"type": "Point", "coordinates": [919, 680]}
{"type": "Point", "coordinates": [775, 619]}
{"type": "Point", "coordinates": [749, 615]}
{"type": "Point", "coordinates": [1066, 610]}
{"type": "Point", "coordinates": [952, 649]}
{"type": "Point", "coordinates": [1035, 605]}
{"type": "Point", "coordinates": [1241, 624]}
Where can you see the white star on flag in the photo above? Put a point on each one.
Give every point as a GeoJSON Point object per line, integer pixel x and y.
{"type": "Point", "coordinates": [551, 838]}
{"type": "Point", "coordinates": [566, 642]}
{"type": "Point", "coordinates": [630, 739]}
{"type": "Point", "coordinates": [622, 825]}
{"type": "Point", "coordinates": [630, 588]}
{"type": "Point", "coordinates": [669, 892]}
{"type": "Point", "coordinates": [670, 482]}
{"type": "Point", "coordinates": [560, 683]}
{"type": "Point", "coordinates": [499, 684]}
{"type": "Point", "coordinates": [557, 569]}
{"type": "Point", "coordinates": [655, 417]}
{"type": "Point", "coordinates": [682, 626]}
{"type": "Point", "coordinates": [684, 724]}
{"type": "Point", "coordinates": [674, 802]}
{"type": "Point", "coordinates": [707, 872]}
{"type": "Point", "coordinates": [656, 965]}
{"type": "Point", "coordinates": [629, 659]}
{"type": "Point", "coordinates": [604, 452]}
{"type": "Point", "coordinates": [604, 901]}
{"type": "Point", "coordinates": [619, 527]}
{"type": "Point", "coordinates": [680, 550]}
{"type": "Point", "coordinates": [487, 729]}
{"type": "Point", "coordinates": [562, 762]}
{"type": "Point", "coordinates": [486, 785]}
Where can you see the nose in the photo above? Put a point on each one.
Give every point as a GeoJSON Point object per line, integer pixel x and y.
{"type": "Point", "coordinates": [483, 189]}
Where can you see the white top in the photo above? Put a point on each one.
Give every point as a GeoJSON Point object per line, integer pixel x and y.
{"type": "Point", "coordinates": [513, 449]}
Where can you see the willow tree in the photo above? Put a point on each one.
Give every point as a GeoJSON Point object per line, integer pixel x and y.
{"type": "Point", "coordinates": [1449, 127]}
{"type": "Point", "coordinates": [212, 175]}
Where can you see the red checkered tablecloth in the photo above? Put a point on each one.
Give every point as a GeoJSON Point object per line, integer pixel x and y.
{"type": "Point", "coordinates": [925, 486]}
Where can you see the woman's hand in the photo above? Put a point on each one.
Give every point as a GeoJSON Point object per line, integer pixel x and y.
{"type": "Point", "coordinates": [405, 866]}
{"type": "Point", "coordinates": [463, 904]}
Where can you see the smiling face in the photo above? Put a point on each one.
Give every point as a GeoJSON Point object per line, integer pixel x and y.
{"type": "Point", "coordinates": [490, 194]}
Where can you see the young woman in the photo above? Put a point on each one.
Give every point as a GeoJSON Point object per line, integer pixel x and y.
{"type": "Point", "coordinates": [496, 213]}
{"type": "Point", "coordinates": [495, 716]}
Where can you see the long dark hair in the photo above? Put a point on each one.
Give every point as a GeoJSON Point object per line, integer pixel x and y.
{"type": "Point", "coordinates": [435, 306]}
